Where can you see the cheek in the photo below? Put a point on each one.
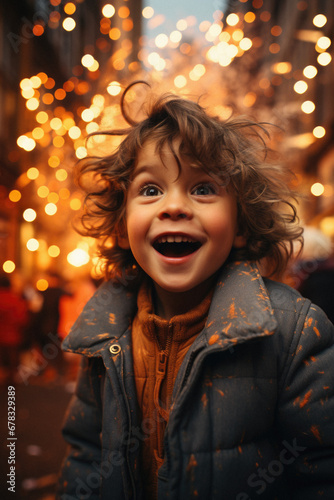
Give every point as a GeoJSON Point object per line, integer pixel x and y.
{"type": "Point", "coordinates": [223, 223]}
{"type": "Point", "coordinates": [136, 229]}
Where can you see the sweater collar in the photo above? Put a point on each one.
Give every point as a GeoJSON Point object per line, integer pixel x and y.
{"type": "Point", "coordinates": [180, 327]}
{"type": "Point", "coordinates": [240, 310]}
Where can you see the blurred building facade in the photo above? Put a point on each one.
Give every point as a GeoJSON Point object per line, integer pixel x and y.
{"type": "Point", "coordinates": [36, 42]}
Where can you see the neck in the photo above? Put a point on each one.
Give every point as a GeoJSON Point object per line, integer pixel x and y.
{"type": "Point", "coordinates": [168, 304]}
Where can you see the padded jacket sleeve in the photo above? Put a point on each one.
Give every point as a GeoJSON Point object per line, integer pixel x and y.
{"type": "Point", "coordinates": [306, 407]}
{"type": "Point", "coordinates": [80, 473]}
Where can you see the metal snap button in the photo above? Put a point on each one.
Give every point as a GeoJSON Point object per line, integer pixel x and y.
{"type": "Point", "coordinates": [115, 349]}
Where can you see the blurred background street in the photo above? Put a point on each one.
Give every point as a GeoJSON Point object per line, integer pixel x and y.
{"type": "Point", "coordinates": [41, 403]}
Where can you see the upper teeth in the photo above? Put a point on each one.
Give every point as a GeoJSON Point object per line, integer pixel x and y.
{"type": "Point", "coordinates": [175, 239]}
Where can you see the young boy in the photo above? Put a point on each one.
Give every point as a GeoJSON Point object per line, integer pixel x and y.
{"type": "Point", "coordinates": [199, 378]}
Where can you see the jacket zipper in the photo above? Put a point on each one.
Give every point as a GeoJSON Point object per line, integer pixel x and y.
{"type": "Point", "coordinates": [130, 432]}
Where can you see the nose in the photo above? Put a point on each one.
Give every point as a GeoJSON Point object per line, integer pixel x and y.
{"type": "Point", "coordinates": [176, 205]}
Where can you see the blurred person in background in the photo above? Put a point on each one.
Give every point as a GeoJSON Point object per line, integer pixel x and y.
{"type": "Point", "coordinates": [42, 334]}
{"type": "Point", "coordinates": [312, 272]}
{"type": "Point", "coordinates": [13, 318]}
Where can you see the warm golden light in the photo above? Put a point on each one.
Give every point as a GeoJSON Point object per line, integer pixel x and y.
{"type": "Point", "coordinates": [324, 59]}
{"type": "Point", "coordinates": [92, 127]}
{"type": "Point", "coordinates": [87, 60]}
{"type": "Point", "coordinates": [38, 133]}
{"type": "Point", "coordinates": [61, 175]}
{"type": "Point", "coordinates": [175, 36]}
{"type": "Point", "coordinates": [323, 43]}
{"type": "Point", "coordinates": [308, 107]}
{"type": "Point", "coordinates": [114, 88]}
{"type": "Point", "coordinates": [148, 12]}
{"type": "Point", "coordinates": [69, 8]}
{"type": "Point", "coordinates": [8, 266]}
{"type": "Point", "coordinates": [319, 20]}
{"type": "Point", "coordinates": [282, 68]}
{"type": "Point", "coordinates": [29, 215]}
{"type": "Point", "coordinates": [28, 93]}
{"type": "Point", "coordinates": [114, 33]}
{"type": "Point", "coordinates": [14, 195]}
{"type": "Point", "coordinates": [123, 12]}
{"type": "Point", "coordinates": [108, 10]}
{"type": "Point", "coordinates": [43, 191]}
{"type": "Point", "coordinates": [81, 152]}
{"type": "Point", "coordinates": [58, 142]}
{"type": "Point", "coordinates": [87, 115]}
{"type": "Point", "coordinates": [53, 251]}
{"type": "Point", "coordinates": [50, 209]}
{"type": "Point", "coordinates": [42, 117]}
{"type": "Point", "coordinates": [75, 204]}
{"type": "Point", "coordinates": [69, 24]}
{"type": "Point", "coordinates": [78, 257]}
{"type": "Point", "coordinates": [249, 17]}
{"type": "Point", "coordinates": [32, 104]}
{"type": "Point", "coordinates": [182, 25]}
{"type": "Point", "coordinates": [42, 285]}
{"type": "Point", "coordinates": [56, 123]}
{"type": "Point", "coordinates": [319, 132]}
{"type": "Point", "coordinates": [32, 245]}
{"type": "Point", "coordinates": [26, 143]}
{"type": "Point", "coordinates": [32, 173]}
{"type": "Point", "coordinates": [53, 161]}
{"type": "Point", "coordinates": [310, 71]}
{"type": "Point", "coordinates": [180, 81]}
{"type": "Point", "coordinates": [232, 19]}
{"type": "Point", "coordinates": [317, 189]}
{"type": "Point", "coordinates": [245, 44]}
{"type": "Point", "coordinates": [94, 67]}
{"type": "Point", "coordinates": [25, 84]}
{"type": "Point", "coordinates": [74, 132]}
{"type": "Point", "coordinates": [300, 87]}
{"type": "Point", "coordinates": [36, 82]}
{"type": "Point", "coordinates": [161, 40]}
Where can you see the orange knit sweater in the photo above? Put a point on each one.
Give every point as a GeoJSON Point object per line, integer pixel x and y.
{"type": "Point", "coordinates": [159, 347]}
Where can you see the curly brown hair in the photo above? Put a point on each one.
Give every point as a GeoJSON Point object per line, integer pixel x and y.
{"type": "Point", "coordinates": [235, 150]}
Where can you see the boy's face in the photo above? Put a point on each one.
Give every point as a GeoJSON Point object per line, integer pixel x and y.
{"type": "Point", "coordinates": [181, 226]}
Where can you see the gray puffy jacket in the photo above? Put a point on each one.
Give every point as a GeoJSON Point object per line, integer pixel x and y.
{"type": "Point", "coordinates": [253, 408]}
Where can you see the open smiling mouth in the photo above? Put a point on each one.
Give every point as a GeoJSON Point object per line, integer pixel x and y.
{"type": "Point", "coordinates": [176, 246]}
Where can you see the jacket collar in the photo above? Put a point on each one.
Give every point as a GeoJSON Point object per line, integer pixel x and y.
{"type": "Point", "coordinates": [240, 311]}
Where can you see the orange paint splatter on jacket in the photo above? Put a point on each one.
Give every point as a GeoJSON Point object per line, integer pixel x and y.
{"type": "Point", "coordinates": [213, 339]}
{"type": "Point", "coordinates": [232, 312]}
{"type": "Point", "coordinates": [220, 392]}
{"type": "Point", "coordinates": [204, 400]}
{"type": "Point", "coordinates": [112, 319]}
{"type": "Point", "coordinates": [192, 462]}
{"type": "Point", "coordinates": [227, 328]}
{"type": "Point", "coordinates": [306, 399]}
{"type": "Point", "coordinates": [316, 331]}
{"type": "Point", "coordinates": [299, 349]}
{"type": "Point", "coordinates": [315, 431]}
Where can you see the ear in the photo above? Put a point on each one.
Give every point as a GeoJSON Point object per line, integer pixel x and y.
{"type": "Point", "coordinates": [239, 241]}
